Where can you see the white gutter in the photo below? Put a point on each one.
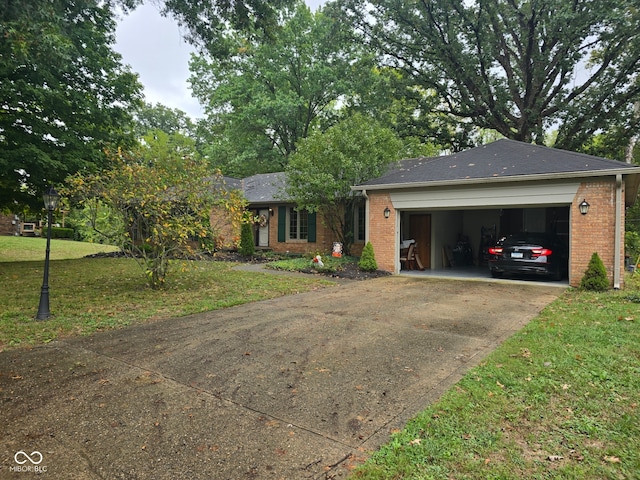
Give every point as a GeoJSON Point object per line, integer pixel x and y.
{"type": "Point", "coordinates": [617, 255]}
{"type": "Point", "coordinates": [507, 178]}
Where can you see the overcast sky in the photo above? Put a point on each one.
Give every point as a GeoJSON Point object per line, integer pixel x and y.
{"type": "Point", "coordinates": [152, 45]}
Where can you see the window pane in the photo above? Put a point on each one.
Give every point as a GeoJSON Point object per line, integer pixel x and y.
{"type": "Point", "coordinates": [303, 233]}
{"type": "Point", "coordinates": [293, 223]}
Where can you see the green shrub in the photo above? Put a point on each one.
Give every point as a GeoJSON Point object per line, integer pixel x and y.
{"type": "Point", "coordinates": [632, 245]}
{"type": "Point", "coordinates": [595, 277]}
{"type": "Point", "coordinates": [59, 232]}
{"type": "Point", "coordinates": [368, 259]}
{"type": "Point", "coordinates": [247, 244]}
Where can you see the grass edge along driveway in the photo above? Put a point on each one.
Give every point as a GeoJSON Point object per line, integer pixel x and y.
{"type": "Point", "coordinates": [560, 399]}
{"type": "Point", "coordinates": [93, 294]}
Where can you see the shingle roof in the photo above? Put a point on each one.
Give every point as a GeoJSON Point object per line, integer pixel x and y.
{"type": "Point", "coordinates": [262, 187]}
{"type": "Point", "coordinates": [503, 159]}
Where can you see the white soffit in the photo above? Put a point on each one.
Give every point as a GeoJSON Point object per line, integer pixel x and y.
{"type": "Point", "coordinates": [479, 196]}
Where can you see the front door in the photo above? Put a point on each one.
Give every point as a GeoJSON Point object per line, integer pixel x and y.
{"type": "Point", "coordinates": [263, 228]}
{"type": "Point", "coordinates": [420, 231]}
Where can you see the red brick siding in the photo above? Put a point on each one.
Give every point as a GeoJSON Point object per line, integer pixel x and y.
{"type": "Point", "coordinates": [6, 225]}
{"type": "Point", "coordinates": [595, 231]}
{"type": "Point", "coordinates": [382, 234]}
{"type": "Point", "coordinates": [323, 243]}
{"type": "Point", "coordinates": [228, 235]}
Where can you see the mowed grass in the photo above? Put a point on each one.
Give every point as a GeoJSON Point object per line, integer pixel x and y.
{"type": "Point", "coordinates": [558, 400]}
{"type": "Point", "coordinates": [92, 294]}
{"type": "Point", "coordinates": [20, 249]}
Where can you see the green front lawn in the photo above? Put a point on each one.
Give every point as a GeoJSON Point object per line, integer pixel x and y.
{"type": "Point", "coordinates": [87, 295]}
{"type": "Point", "coordinates": [558, 400]}
{"type": "Point", "coordinates": [20, 249]}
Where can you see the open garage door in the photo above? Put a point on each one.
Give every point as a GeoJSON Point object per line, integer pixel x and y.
{"type": "Point", "coordinates": [460, 238]}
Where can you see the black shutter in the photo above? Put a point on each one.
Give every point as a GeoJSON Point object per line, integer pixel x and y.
{"type": "Point", "coordinates": [282, 224]}
{"type": "Point", "coordinates": [311, 227]}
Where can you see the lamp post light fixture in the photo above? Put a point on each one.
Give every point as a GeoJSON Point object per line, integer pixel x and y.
{"type": "Point", "coordinates": [51, 198]}
{"type": "Point", "coordinates": [387, 212]}
{"type": "Point", "coordinates": [584, 207]}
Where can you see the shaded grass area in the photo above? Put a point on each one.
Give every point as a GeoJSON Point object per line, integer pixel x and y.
{"type": "Point", "coordinates": [19, 249]}
{"type": "Point", "coordinates": [560, 399]}
{"type": "Point", "coordinates": [93, 294]}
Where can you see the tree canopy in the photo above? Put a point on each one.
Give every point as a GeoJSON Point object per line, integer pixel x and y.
{"type": "Point", "coordinates": [160, 117]}
{"type": "Point", "coordinates": [519, 67]}
{"type": "Point", "coordinates": [208, 22]}
{"type": "Point", "coordinates": [327, 164]}
{"type": "Point", "coordinates": [270, 93]}
{"type": "Point", "coordinates": [65, 96]}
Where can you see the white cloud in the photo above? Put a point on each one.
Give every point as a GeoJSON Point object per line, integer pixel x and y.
{"type": "Point", "coordinates": [153, 46]}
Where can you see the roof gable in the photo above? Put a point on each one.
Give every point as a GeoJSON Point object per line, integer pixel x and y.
{"type": "Point", "coordinates": [503, 159]}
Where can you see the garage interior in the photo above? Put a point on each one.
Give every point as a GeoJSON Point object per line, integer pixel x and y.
{"type": "Point", "coordinates": [457, 241]}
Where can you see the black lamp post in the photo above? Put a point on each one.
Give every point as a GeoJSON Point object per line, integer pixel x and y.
{"type": "Point", "coordinates": [50, 198]}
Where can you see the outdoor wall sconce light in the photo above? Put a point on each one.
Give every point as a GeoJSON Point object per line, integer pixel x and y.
{"type": "Point", "coordinates": [387, 212]}
{"type": "Point", "coordinates": [51, 198]}
{"type": "Point", "coordinates": [583, 207]}
{"type": "Point", "coordinates": [271, 212]}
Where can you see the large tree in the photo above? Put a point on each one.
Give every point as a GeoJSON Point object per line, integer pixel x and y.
{"type": "Point", "coordinates": [271, 92]}
{"type": "Point", "coordinates": [160, 117]}
{"type": "Point", "coordinates": [64, 94]}
{"type": "Point", "coordinates": [325, 167]}
{"type": "Point", "coordinates": [208, 22]}
{"type": "Point", "coordinates": [517, 66]}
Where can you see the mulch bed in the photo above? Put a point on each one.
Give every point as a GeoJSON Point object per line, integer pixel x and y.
{"type": "Point", "coordinates": [349, 271]}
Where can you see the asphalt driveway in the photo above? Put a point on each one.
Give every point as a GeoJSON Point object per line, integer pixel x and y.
{"type": "Point", "coordinates": [298, 387]}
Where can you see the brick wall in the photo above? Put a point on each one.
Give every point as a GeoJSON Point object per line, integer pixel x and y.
{"type": "Point", "coordinates": [595, 231]}
{"type": "Point", "coordinates": [323, 243]}
{"type": "Point", "coordinates": [6, 225]}
{"type": "Point", "coordinates": [382, 233]}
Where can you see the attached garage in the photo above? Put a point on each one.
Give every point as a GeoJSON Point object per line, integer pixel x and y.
{"type": "Point", "coordinates": [454, 206]}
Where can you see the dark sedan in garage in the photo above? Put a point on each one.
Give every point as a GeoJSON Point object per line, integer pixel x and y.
{"type": "Point", "coordinates": [527, 253]}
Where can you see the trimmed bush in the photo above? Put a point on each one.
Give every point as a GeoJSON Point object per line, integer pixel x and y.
{"type": "Point", "coordinates": [59, 232]}
{"type": "Point", "coordinates": [595, 277]}
{"type": "Point", "coordinates": [368, 259]}
{"type": "Point", "coordinates": [247, 245]}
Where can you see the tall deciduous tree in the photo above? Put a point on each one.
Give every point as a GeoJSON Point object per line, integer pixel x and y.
{"type": "Point", "coordinates": [517, 66]}
{"type": "Point", "coordinates": [270, 93]}
{"type": "Point", "coordinates": [159, 117]}
{"type": "Point", "coordinates": [64, 95]}
{"type": "Point", "coordinates": [208, 22]}
{"type": "Point", "coordinates": [325, 167]}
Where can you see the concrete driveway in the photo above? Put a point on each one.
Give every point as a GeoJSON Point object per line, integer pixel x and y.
{"type": "Point", "coordinates": [298, 387]}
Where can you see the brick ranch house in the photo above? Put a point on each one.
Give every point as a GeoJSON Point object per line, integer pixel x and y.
{"type": "Point", "coordinates": [281, 227]}
{"type": "Point", "coordinates": [462, 202]}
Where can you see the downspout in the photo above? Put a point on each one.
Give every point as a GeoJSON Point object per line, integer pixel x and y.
{"type": "Point", "coordinates": [617, 255]}
{"type": "Point", "coordinates": [366, 215]}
